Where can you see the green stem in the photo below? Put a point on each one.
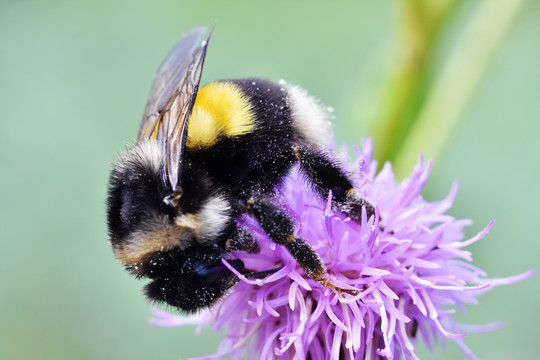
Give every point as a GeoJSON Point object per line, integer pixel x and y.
{"type": "Point", "coordinates": [422, 20]}
{"type": "Point", "coordinates": [461, 75]}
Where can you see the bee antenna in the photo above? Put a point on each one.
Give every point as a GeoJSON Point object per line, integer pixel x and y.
{"type": "Point", "coordinates": [261, 274]}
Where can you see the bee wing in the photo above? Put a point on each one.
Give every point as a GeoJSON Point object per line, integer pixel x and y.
{"type": "Point", "coordinates": [171, 100]}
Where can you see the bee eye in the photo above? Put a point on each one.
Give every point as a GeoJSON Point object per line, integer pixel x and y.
{"type": "Point", "coordinates": [205, 274]}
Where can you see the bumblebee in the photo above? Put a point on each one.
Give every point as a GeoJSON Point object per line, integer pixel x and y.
{"type": "Point", "coordinates": [203, 158]}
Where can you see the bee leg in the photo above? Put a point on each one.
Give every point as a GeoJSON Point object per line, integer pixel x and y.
{"type": "Point", "coordinates": [280, 228]}
{"type": "Point", "coordinates": [241, 240]}
{"type": "Point", "coordinates": [325, 175]}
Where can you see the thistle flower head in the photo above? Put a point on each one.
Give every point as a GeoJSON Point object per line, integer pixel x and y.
{"type": "Point", "coordinates": [410, 268]}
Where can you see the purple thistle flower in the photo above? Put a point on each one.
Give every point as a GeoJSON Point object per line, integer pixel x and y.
{"type": "Point", "coordinates": [411, 269]}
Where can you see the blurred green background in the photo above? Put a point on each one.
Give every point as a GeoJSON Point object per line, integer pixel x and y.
{"type": "Point", "coordinates": [74, 77]}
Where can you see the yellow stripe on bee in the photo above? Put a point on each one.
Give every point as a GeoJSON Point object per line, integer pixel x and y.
{"type": "Point", "coordinates": [220, 110]}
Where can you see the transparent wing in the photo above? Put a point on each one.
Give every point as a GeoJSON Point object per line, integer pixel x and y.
{"type": "Point", "coordinates": [171, 73]}
{"type": "Point", "coordinates": [171, 100]}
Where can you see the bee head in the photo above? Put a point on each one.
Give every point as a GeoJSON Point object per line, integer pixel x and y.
{"type": "Point", "coordinates": [147, 220]}
{"type": "Point", "coordinates": [189, 279]}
